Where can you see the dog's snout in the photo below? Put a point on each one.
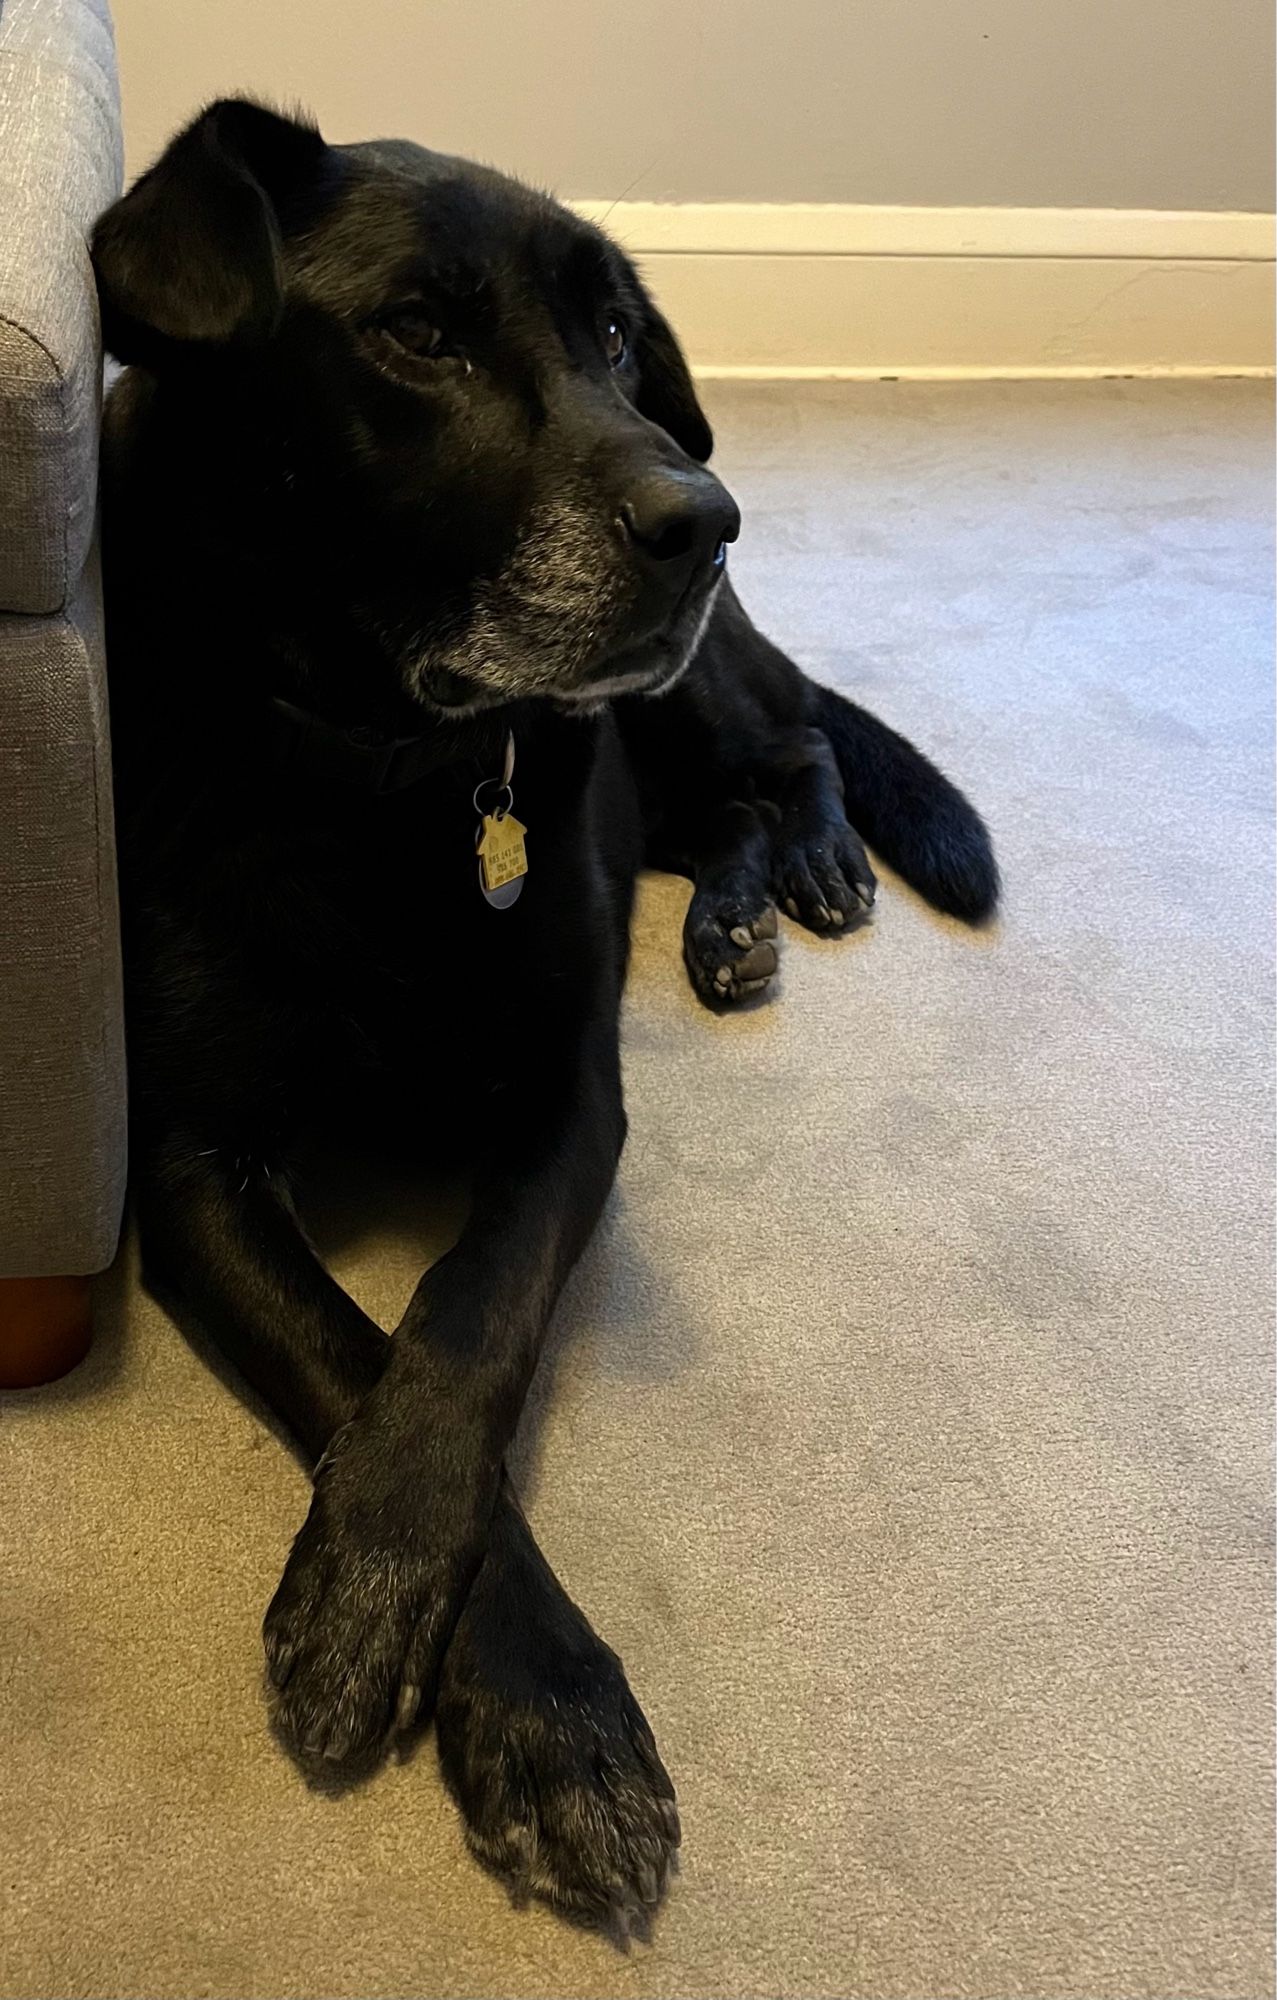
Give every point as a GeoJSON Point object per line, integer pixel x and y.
{"type": "Point", "coordinates": [676, 521]}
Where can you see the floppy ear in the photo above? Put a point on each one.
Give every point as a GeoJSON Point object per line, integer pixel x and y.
{"type": "Point", "coordinates": [191, 252]}
{"type": "Point", "coordinates": [666, 396]}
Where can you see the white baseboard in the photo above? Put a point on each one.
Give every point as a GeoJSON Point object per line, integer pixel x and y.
{"type": "Point", "coordinates": [828, 289]}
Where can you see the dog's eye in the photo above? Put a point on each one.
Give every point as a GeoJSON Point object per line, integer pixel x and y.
{"type": "Point", "coordinates": [411, 328]}
{"type": "Point", "coordinates": [615, 340]}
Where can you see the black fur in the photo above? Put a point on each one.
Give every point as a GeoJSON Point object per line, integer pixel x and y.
{"type": "Point", "coordinates": [410, 449]}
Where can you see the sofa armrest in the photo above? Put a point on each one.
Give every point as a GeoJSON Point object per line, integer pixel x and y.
{"type": "Point", "coordinates": [62, 1097]}
{"type": "Point", "coordinates": [60, 165]}
{"type": "Point", "coordinates": [62, 1109]}
{"type": "Point", "coordinates": [50, 405]}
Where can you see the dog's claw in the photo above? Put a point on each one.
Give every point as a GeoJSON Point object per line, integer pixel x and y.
{"type": "Point", "coordinates": [756, 931]}
{"type": "Point", "coordinates": [520, 1854]}
{"type": "Point", "coordinates": [279, 1664]}
{"type": "Point", "coordinates": [618, 1922]}
{"type": "Point", "coordinates": [407, 1705]}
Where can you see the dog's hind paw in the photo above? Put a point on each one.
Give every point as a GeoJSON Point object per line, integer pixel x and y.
{"type": "Point", "coordinates": [824, 879]}
{"type": "Point", "coordinates": [729, 943]}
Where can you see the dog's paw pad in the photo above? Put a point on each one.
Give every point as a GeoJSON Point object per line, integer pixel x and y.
{"type": "Point", "coordinates": [730, 952]}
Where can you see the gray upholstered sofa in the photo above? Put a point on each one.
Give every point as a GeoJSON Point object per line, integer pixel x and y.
{"type": "Point", "coordinates": [62, 1147]}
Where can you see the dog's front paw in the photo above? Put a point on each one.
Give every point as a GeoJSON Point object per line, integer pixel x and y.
{"type": "Point", "coordinates": [729, 942]}
{"type": "Point", "coordinates": [367, 1603]}
{"type": "Point", "coordinates": [549, 1756]}
{"type": "Point", "coordinates": [824, 879]}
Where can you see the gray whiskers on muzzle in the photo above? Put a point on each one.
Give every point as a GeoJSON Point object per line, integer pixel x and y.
{"type": "Point", "coordinates": [541, 621]}
{"type": "Point", "coordinates": [659, 678]}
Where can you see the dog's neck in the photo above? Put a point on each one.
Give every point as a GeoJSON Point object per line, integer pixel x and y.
{"type": "Point", "coordinates": [370, 761]}
{"type": "Point", "coordinates": [336, 713]}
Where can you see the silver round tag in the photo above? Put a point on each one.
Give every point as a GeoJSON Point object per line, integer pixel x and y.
{"type": "Point", "coordinates": [508, 893]}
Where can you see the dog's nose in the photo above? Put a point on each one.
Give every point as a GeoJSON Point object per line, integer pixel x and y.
{"type": "Point", "coordinates": [679, 521]}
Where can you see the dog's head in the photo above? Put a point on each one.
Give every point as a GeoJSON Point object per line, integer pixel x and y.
{"type": "Point", "coordinates": [448, 405]}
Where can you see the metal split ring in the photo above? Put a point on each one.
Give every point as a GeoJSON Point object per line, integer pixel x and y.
{"type": "Point", "coordinates": [502, 790]}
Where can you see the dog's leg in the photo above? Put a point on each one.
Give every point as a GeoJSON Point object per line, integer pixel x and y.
{"type": "Point", "coordinates": [772, 720]}
{"type": "Point", "coordinates": [729, 931]}
{"type": "Point", "coordinates": [222, 1248]}
{"type": "Point", "coordinates": [404, 1495]}
{"type": "Point", "coordinates": [703, 818]}
{"type": "Point", "coordinates": [820, 869]}
{"type": "Point", "coordinates": [540, 1738]}
{"type": "Point", "coordinates": [783, 838]}
{"type": "Point", "coordinates": [759, 784]}
{"type": "Point", "coordinates": [764, 822]}
{"type": "Point", "coordinates": [542, 1743]}
{"type": "Point", "coordinates": [743, 794]}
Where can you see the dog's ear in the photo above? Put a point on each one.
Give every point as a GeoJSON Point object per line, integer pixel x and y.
{"type": "Point", "coordinates": [666, 396]}
{"type": "Point", "coordinates": [191, 252]}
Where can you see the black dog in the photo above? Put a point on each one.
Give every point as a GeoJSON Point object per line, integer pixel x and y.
{"type": "Point", "coordinates": [409, 477]}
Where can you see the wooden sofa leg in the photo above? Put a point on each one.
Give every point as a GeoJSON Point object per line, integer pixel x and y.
{"type": "Point", "coordinates": [45, 1328]}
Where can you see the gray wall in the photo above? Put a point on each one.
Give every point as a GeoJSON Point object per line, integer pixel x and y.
{"type": "Point", "coordinates": [1086, 103]}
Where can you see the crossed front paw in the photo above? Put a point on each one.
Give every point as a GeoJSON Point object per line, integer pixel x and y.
{"type": "Point", "coordinates": [550, 1757]}
{"type": "Point", "coordinates": [369, 1598]}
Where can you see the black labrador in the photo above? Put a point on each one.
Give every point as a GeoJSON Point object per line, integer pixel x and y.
{"type": "Point", "coordinates": [421, 643]}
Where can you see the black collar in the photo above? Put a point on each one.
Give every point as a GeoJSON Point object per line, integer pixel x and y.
{"type": "Point", "coordinates": [359, 756]}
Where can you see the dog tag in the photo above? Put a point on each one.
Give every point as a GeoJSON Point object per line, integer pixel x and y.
{"type": "Point", "coordinates": [503, 858]}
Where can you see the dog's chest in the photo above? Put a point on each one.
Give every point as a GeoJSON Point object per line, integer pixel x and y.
{"type": "Point", "coordinates": [298, 936]}
{"type": "Point", "coordinates": [380, 929]}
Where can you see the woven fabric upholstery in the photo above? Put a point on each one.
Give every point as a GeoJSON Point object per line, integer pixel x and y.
{"type": "Point", "coordinates": [62, 1153]}
{"type": "Point", "coordinates": [60, 165]}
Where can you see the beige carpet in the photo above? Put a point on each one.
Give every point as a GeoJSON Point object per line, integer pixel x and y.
{"type": "Point", "coordinates": [911, 1419]}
